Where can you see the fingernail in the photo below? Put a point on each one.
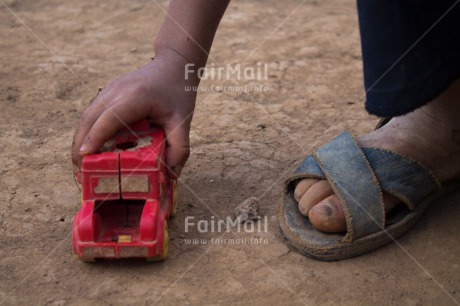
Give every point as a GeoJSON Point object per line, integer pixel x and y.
{"type": "Point", "coordinates": [177, 170]}
{"type": "Point", "coordinates": [83, 149]}
{"type": "Point", "coordinates": [325, 209]}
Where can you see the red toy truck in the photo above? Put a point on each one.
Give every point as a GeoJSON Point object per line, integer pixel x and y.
{"type": "Point", "coordinates": [127, 198]}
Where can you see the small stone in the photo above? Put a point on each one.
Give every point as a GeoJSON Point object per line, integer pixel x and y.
{"type": "Point", "coordinates": [261, 126]}
{"type": "Point", "coordinates": [135, 8]}
{"type": "Point", "coordinates": [133, 50]}
{"type": "Point", "coordinates": [248, 210]}
{"type": "Point", "coordinates": [242, 217]}
{"type": "Point", "coordinates": [181, 236]}
{"type": "Point", "coordinates": [211, 181]}
{"type": "Point", "coordinates": [62, 219]}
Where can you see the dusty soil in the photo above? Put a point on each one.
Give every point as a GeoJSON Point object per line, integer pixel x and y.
{"type": "Point", "coordinates": [55, 55]}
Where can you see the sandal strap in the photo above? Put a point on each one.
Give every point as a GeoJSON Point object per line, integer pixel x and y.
{"type": "Point", "coordinates": [403, 177]}
{"type": "Point", "coordinates": [355, 184]}
{"type": "Point", "coordinates": [309, 168]}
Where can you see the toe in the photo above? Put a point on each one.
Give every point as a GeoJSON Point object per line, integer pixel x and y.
{"type": "Point", "coordinates": [328, 216]}
{"type": "Point", "coordinates": [303, 186]}
{"type": "Point", "coordinates": [313, 195]}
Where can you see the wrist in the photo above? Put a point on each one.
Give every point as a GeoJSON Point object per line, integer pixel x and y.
{"type": "Point", "coordinates": [179, 63]}
{"type": "Point", "coordinates": [184, 46]}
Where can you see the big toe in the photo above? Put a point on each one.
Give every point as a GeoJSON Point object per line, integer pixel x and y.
{"type": "Point", "coordinates": [317, 201]}
{"type": "Point", "coordinates": [328, 216]}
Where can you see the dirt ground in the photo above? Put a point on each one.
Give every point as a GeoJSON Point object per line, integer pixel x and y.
{"type": "Point", "coordinates": [54, 56]}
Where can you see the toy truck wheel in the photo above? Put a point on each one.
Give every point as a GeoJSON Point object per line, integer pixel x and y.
{"type": "Point", "coordinates": [174, 199]}
{"type": "Point", "coordinates": [164, 253]}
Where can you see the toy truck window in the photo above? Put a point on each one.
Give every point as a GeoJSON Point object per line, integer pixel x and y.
{"type": "Point", "coordinates": [107, 185]}
{"type": "Point", "coordinates": [135, 184]}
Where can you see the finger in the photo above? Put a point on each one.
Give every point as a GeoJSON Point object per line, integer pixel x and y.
{"type": "Point", "coordinates": [109, 122]}
{"type": "Point", "coordinates": [97, 107]}
{"type": "Point", "coordinates": [177, 145]}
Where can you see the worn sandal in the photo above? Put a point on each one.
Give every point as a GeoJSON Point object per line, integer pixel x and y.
{"type": "Point", "coordinates": [358, 177]}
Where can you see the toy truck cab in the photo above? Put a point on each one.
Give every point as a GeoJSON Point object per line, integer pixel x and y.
{"type": "Point", "coordinates": [127, 198]}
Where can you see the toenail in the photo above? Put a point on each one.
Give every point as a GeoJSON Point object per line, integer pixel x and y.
{"type": "Point", "coordinates": [297, 196]}
{"type": "Point", "coordinates": [302, 207]}
{"type": "Point", "coordinates": [324, 208]}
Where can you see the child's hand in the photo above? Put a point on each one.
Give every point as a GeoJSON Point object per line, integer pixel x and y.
{"type": "Point", "coordinates": [157, 91]}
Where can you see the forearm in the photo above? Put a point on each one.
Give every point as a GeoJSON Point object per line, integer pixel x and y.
{"type": "Point", "coordinates": [189, 28]}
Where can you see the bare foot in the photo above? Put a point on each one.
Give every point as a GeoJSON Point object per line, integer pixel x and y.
{"type": "Point", "coordinates": [430, 134]}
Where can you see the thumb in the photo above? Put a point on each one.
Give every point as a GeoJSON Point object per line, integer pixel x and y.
{"type": "Point", "coordinates": [177, 146]}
